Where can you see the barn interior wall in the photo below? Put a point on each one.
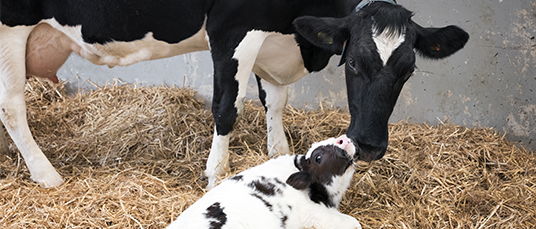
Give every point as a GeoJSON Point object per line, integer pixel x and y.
{"type": "Point", "coordinates": [490, 83]}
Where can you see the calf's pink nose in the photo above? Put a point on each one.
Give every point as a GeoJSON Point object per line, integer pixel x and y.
{"type": "Point", "coordinates": [343, 141]}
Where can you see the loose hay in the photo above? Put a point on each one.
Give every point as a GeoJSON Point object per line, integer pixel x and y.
{"type": "Point", "coordinates": [132, 158]}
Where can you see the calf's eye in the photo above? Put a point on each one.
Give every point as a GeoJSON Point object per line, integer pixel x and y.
{"type": "Point", "coordinates": [318, 159]}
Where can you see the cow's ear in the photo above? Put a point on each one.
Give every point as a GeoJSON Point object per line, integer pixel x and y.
{"type": "Point", "coordinates": [438, 43]}
{"type": "Point", "coordinates": [326, 33]}
{"type": "Point", "coordinates": [299, 180]}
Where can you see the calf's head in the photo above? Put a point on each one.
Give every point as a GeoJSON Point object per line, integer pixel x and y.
{"type": "Point", "coordinates": [378, 45]}
{"type": "Point", "coordinates": [326, 170]}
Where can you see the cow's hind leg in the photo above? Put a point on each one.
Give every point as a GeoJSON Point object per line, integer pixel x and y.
{"type": "Point", "coordinates": [13, 106]}
{"type": "Point", "coordinates": [274, 98]}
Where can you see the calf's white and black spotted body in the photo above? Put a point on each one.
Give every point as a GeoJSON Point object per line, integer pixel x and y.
{"type": "Point", "coordinates": [280, 41]}
{"type": "Point", "coordinates": [300, 191]}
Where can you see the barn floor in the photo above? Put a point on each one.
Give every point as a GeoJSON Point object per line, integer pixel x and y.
{"type": "Point", "coordinates": [132, 158]}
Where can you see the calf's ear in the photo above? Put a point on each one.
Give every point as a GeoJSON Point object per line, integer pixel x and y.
{"type": "Point", "coordinates": [299, 180]}
{"type": "Point", "coordinates": [438, 43]}
{"type": "Point", "coordinates": [326, 33]}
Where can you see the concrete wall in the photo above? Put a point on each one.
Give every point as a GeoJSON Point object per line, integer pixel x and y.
{"type": "Point", "coordinates": [490, 83]}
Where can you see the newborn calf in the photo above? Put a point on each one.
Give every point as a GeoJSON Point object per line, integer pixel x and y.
{"type": "Point", "coordinates": [299, 191]}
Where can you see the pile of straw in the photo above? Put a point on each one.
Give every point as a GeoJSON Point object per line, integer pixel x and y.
{"type": "Point", "coordinates": [132, 158]}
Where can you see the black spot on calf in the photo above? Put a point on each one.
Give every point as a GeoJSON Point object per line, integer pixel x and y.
{"type": "Point", "coordinates": [216, 216]}
{"type": "Point", "coordinates": [265, 187]}
{"type": "Point", "coordinates": [237, 178]}
{"type": "Point", "coordinates": [268, 205]}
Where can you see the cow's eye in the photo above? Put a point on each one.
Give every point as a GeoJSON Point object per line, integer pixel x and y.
{"type": "Point", "coordinates": [409, 74]}
{"type": "Point", "coordinates": [318, 159]}
{"type": "Point", "coordinates": [351, 64]}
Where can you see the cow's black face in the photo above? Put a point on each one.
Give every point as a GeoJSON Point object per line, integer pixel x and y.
{"type": "Point", "coordinates": [377, 44]}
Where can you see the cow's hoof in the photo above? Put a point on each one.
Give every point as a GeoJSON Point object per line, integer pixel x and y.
{"type": "Point", "coordinates": [278, 150]}
{"type": "Point", "coordinates": [211, 182]}
{"type": "Point", "coordinates": [52, 181]}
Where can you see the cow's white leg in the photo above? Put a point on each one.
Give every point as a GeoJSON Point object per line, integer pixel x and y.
{"type": "Point", "coordinates": [13, 106]}
{"type": "Point", "coordinates": [229, 97]}
{"type": "Point", "coordinates": [218, 158]}
{"type": "Point", "coordinates": [274, 101]}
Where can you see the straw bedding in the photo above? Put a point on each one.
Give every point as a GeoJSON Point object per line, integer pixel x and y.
{"type": "Point", "coordinates": [132, 158]}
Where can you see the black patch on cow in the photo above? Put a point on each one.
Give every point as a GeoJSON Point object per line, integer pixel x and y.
{"type": "Point", "coordinates": [266, 203]}
{"type": "Point", "coordinates": [216, 216]}
{"type": "Point", "coordinates": [398, 17]}
{"type": "Point", "coordinates": [225, 91]}
{"type": "Point", "coordinates": [237, 178]}
{"type": "Point", "coordinates": [262, 92]}
{"type": "Point", "coordinates": [319, 194]}
{"type": "Point", "coordinates": [265, 186]}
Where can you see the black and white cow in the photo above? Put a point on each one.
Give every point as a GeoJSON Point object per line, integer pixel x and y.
{"type": "Point", "coordinates": [280, 41]}
{"type": "Point", "coordinates": [300, 191]}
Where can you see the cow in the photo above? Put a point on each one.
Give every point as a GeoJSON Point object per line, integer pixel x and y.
{"type": "Point", "coordinates": [279, 41]}
{"type": "Point", "coordinates": [299, 191]}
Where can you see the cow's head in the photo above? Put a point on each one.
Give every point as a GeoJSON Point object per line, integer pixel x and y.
{"type": "Point", "coordinates": [378, 45]}
{"type": "Point", "coordinates": [325, 170]}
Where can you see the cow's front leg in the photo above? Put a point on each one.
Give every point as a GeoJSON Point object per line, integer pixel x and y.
{"type": "Point", "coordinates": [274, 98]}
{"type": "Point", "coordinates": [232, 69]}
{"type": "Point", "coordinates": [227, 107]}
{"type": "Point", "coordinates": [13, 105]}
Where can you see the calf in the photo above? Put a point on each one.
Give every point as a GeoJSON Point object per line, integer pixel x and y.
{"type": "Point", "coordinates": [260, 198]}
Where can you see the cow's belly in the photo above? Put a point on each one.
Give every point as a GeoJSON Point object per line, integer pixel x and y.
{"type": "Point", "coordinates": [127, 53]}
{"type": "Point", "coordinates": [50, 44]}
{"type": "Point", "coordinates": [279, 60]}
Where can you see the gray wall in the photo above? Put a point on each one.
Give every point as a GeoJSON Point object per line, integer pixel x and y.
{"type": "Point", "coordinates": [490, 83]}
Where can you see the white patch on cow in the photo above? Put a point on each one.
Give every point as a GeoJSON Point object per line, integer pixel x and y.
{"type": "Point", "coordinates": [120, 53]}
{"type": "Point", "coordinates": [387, 42]}
{"type": "Point", "coordinates": [13, 107]}
{"type": "Point", "coordinates": [276, 99]}
{"type": "Point", "coordinates": [246, 53]}
{"type": "Point", "coordinates": [217, 162]}
{"type": "Point", "coordinates": [279, 60]}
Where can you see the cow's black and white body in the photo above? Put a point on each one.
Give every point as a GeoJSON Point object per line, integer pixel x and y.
{"type": "Point", "coordinates": [280, 41]}
{"type": "Point", "coordinates": [292, 192]}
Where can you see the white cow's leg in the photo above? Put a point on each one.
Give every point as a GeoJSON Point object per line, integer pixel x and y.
{"type": "Point", "coordinates": [275, 100]}
{"type": "Point", "coordinates": [4, 148]}
{"type": "Point", "coordinates": [13, 106]}
{"type": "Point", "coordinates": [217, 162]}
{"type": "Point", "coordinates": [229, 96]}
